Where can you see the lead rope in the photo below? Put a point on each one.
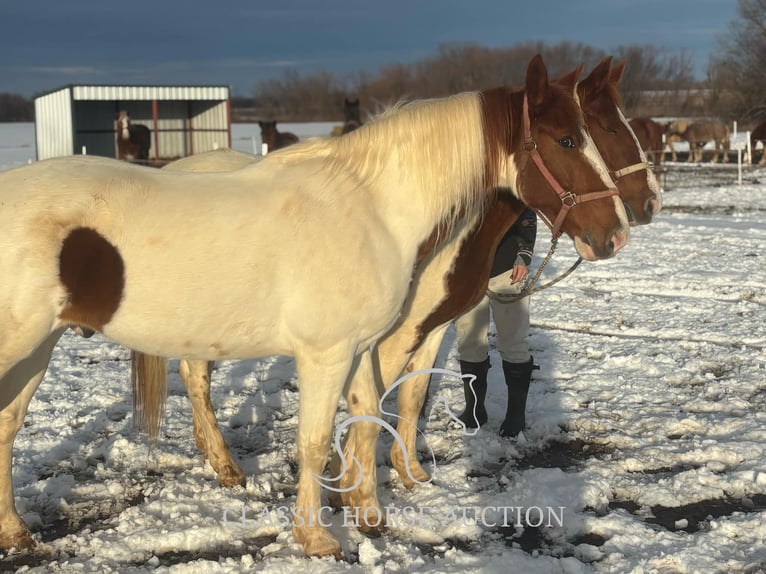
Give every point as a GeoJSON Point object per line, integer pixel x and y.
{"type": "Point", "coordinates": [529, 286]}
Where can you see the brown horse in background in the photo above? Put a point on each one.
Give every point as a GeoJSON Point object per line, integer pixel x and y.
{"type": "Point", "coordinates": [759, 135]}
{"type": "Point", "coordinates": [273, 138]}
{"type": "Point", "coordinates": [649, 135]}
{"type": "Point", "coordinates": [698, 133]}
{"type": "Point", "coordinates": [133, 140]}
{"type": "Point", "coordinates": [353, 118]}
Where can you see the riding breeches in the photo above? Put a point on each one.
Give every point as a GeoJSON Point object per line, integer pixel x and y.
{"type": "Point", "coordinates": [511, 322]}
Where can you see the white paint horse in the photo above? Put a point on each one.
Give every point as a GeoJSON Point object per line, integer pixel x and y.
{"type": "Point", "coordinates": [447, 284]}
{"type": "Point", "coordinates": [133, 140]}
{"type": "Point", "coordinates": [114, 247]}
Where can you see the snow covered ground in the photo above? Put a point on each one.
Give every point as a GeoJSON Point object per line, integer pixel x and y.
{"type": "Point", "coordinates": [646, 450]}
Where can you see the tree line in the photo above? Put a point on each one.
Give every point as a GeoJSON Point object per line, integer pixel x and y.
{"type": "Point", "coordinates": [657, 81]}
{"type": "Point", "coordinates": [464, 67]}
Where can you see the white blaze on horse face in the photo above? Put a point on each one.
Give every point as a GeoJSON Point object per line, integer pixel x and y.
{"type": "Point", "coordinates": [124, 126]}
{"type": "Point", "coordinates": [621, 235]}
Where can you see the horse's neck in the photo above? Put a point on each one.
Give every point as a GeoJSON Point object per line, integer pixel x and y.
{"type": "Point", "coordinates": [431, 171]}
{"type": "Point", "coordinates": [125, 131]}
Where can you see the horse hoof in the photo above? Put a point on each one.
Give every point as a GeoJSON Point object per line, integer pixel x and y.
{"type": "Point", "coordinates": [231, 477]}
{"type": "Point", "coordinates": [372, 531]}
{"type": "Point", "coordinates": [319, 543]}
{"type": "Point", "coordinates": [20, 542]}
{"type": "Point", "coordinates": [419, 476]}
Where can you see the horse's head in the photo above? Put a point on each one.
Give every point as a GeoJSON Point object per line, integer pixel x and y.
{"type": "Point", "coordinates": [351, 110]}
{"type": "Point", "coordinates": [353, 119]}
{"type": "Point", "coordinates": [554, 166]}
{"type": "Point", "coordinates": [268, 132]}
{"type": "Point", "coordinates": [123, 125]}
{"type": "Point", "coordinates": [617, 142]}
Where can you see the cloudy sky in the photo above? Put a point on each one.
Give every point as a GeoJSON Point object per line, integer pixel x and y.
{"type": "Point", "coordinates": [49, 43]}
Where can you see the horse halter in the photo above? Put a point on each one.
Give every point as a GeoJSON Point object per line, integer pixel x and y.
{"type": "Point", "coordinates": [568, 198]}
{"type": "Point", "coordinates": [617, 174]}
{"type": "Point", "coordinates": [568, 201]}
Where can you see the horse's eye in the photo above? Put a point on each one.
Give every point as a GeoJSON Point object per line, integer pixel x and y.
{"type": "Point", "coordinates": [609, 130]}
{"type": "Point", "coordinates": [567, 141]}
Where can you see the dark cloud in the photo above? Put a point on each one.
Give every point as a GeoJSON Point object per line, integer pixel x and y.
{"type": "Point", "coordinates": [47, 43]}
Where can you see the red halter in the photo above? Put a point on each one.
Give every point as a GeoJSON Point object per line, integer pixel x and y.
{"type": "Point", "coordinates": [568, 199]}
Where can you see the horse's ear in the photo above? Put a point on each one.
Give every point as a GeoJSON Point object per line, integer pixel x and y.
{"type": "Point", "coordinates": [615, 75]}
{"type": "Point", "coordinates": [537, 82]}
{"type": "Point", "coordinates": [597, 79]}
{"type": "Point", "coordinates": [570, 80]}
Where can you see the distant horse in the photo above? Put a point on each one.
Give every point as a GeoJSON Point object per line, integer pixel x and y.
{"type": "Point", "coordinates": [133, 140]}
{"type": "Point", "coordinates": [275, 139]}
{"type": "Point", "coordinates": [759, 135]}
{"type": "Point", "coordinates": [353, 119]}
{"type": "Point", "coordinates": [112, 246]}
{"type": "Point", "coordinates": [649, 134]}
{"type": "Point", "coordinates": [698, 133]}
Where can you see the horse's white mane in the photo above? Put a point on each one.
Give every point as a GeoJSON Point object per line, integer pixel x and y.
{"type": "Point", "coordinates": [439, 142]}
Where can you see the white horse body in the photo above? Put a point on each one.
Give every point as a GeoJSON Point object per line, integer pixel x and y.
{"type": "Point", "coordinates": [294, 243]}
{"type": "Point", "coordinates": [234, 209]}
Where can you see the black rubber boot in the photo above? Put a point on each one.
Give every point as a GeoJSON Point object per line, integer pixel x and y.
{"type": "Point", "coordinates": [517, 378]}
{"type": "Point", "coordinates": [475, 397]}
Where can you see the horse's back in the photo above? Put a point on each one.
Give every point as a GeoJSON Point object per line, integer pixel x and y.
{"type": "Point", "coordinates": [257, 228]}
{"type": "Point", "coordinates": [707, 130]}
{"type": "Point", "coordinates": [224, 159]}
{"type": "Point", "coordinates": [285, 139]}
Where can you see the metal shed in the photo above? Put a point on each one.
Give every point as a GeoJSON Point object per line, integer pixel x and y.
{"type": "Point", "coordinates": [183, 120]}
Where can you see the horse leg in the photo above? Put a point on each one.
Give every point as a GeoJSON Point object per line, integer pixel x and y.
{"type": "Point", "coordinates": [207, 434]}
{"type": "Point", "coordinates": [17, 385]}
{"type": "Point", "coordinates": [361, 440]}
{"type": "Point", "coordinates": [321, 378]}
{"type": "Point", "coordinates": [412, 397]}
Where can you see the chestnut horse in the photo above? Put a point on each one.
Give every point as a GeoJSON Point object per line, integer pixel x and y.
{"type": "Point", "coordinates": [275, 139]}
{"type": "Point", "coordinates": [105, 245]}
{"type": "Point", "coordinates": [133, 140]}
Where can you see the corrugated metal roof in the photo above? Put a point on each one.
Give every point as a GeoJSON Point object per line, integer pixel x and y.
{"type": "Point", "coordinates": [150, 92]}
{"type": "Point", "coordinates": [140, 92]}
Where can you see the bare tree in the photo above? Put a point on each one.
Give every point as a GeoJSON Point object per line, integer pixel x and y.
{"type": "Point", "coordinates": [737, 69]}
{"type": "Point", "coordinates": [15, 108]}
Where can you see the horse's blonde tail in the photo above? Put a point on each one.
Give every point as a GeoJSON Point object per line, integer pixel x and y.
{"type": "Point", "coordinates": [149, 380]}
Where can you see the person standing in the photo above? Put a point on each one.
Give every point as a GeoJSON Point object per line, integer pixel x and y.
{"type": "Point", "coordinates": [509, 270]}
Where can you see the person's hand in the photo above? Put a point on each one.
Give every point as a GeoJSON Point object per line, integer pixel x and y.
{"type": "Point", "coordinates": [519, 273]}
